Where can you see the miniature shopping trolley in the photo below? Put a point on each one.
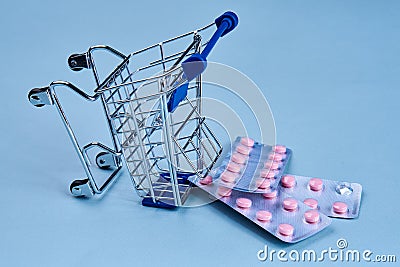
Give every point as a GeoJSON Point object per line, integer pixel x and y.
{"type": "Point", "coordinates": [152, 104]}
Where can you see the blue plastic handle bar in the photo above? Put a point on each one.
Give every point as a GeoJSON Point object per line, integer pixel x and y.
{"type": "Point", "coordinates": [197, 63]}
{"type": "Point", "coordinates": [225, 23]}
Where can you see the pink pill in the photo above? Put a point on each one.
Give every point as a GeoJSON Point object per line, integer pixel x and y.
{"type": "Point", "coordinates": [279, 149]}
{"type": "Point", "coordinates": [272, 165]}
{"type": "Point", "coordinates": [263, 183]}
{"type": "Point", "coordinates": [312, 203]}
{"type": "Point", "coordinates": [264, 215]}
{"type": "Point", "coordinates": [276, 156]}
{"type": "Point", "coordinates": [243, 203]}
{"type": "Point", "coordinates": [270, 195]}
{"type": "Point", "coordinates": [269, 174]}
{"type": "Point", "coordinates": [290, 204]}
{"type": "Point", "coordinates": [316, 184]}
{"type": "Point", "coordinates": [206, 180]}
{"type": "Point", "coordinates": [228, 176]}
{"type": "Point", "coordinates": [247, 141]}
{"type": "Point", "coordinates": [311, 216]}
{"type": "Point", "coordinates": [288, 181]}
{"type": "Point", "coordinates": [244, 150]}
{"type": "Point", "coordinates": [286, 229]}
{"type": "Point", "coordinates": [233, 167]}
{"type": "Point", "coordinates": [340, 207]}
{"type": "Point", "coordinates": [224, 191]}
{"type": "Point", "coordinates": [238, 158]}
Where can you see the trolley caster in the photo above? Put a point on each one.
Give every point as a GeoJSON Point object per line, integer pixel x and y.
{"type": "Point", "coordinates": [40, 97]}
{"type": "Point", "coordinates": [106, 160]}
{"type": "Point", "coordinates": [81, 188]}
{"type": "Point", "coordinates": [77, 62]}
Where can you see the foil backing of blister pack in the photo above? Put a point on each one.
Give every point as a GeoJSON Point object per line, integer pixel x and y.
{"type": "Point", "coordinates": [331, 192]}
{"type": "Point", "coordinates": [251, 170]}
{"type": "Point", "coordinates": [302, 229]}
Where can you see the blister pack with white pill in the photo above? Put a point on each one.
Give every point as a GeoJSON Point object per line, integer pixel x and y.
{"type": "Point", "coordinates": [333, 198]}
{"type": "Point", "coordinates": [252, 166]}
{"type": "Point", "coordinates": [277, 212]}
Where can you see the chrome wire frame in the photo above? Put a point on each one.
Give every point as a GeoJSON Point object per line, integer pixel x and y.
{"type": "Point", "coordinates": [158, 146]}
{"type": "Point", "coordinates": [110, 157]}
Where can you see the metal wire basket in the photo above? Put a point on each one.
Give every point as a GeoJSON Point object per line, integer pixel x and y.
{"type": "Point", "coordinates": [152, 102]}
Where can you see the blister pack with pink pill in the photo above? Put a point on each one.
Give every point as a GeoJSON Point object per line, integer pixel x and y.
{"type": "Point", "coordinates": [333, 198]}
{"type": "Point", "coordinates": [277, 212]}
{"type": "Point", "coordinates": [252, 166]}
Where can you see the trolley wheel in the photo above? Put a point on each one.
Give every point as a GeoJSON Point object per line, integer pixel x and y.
{"type": "Point", "coordinates": [81, 188]}
{"type": "Point", "coordinates": [76, 69]}
{"type": "Point", "coordinates": [39, 97]}
{"type": "Point", "coordinates": [104, 160]}
{"type": "Point", "coordinates": [77, 62]}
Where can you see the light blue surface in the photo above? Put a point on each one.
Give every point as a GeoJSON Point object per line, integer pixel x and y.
{"type": "Point", "coordinates": [329, 69]}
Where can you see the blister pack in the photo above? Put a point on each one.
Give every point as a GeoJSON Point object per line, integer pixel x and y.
{"type": "Point", "coordinates": [333, 198]}
{"type": "Point", "coordinates": [277, 212]}
{"type": "Point", "coordinates": [252, 166]}
{"type": "Point", "coordinates": [250, 180]}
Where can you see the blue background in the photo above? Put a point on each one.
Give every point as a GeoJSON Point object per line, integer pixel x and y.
{"type": "Point", "coordinates": [329, 69]}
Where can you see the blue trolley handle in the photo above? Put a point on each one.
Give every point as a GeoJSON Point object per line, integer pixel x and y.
{"type": "Point", "coordinates": [197, 63]}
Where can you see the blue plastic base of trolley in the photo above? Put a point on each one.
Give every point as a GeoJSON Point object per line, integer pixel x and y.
{"type": "Point", "coordinates": [183, 178]}
{"type": "Point", "coordinates": [148, 202]}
